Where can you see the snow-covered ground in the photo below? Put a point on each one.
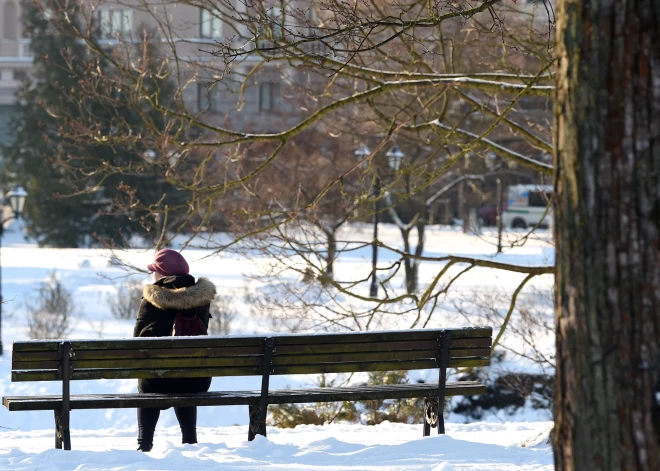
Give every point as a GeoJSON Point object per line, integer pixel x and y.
{"type": "Point", "coordinates": [105, 439]}
{"type": "Point", "coordinates": [391, 447]}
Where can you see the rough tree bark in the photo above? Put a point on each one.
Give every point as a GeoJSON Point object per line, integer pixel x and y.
{"type": "Point", "coordinates": [607, 134]}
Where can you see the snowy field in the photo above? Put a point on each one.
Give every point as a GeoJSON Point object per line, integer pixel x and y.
{"type": "Point", "coordinates": [384, 447]}
{"type": "Point", "coordinates": [105, 440]}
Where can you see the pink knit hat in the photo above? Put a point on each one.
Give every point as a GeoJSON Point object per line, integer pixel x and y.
{"type": "Point", "coordinates": [168, 262]}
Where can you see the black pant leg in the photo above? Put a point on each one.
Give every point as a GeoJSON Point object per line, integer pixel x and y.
{"type": "Point", "coordinates": [147, 420]}
{"type": "Point", "coordinates": [187, 417]}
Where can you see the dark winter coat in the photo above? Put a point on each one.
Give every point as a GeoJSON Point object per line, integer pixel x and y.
{"type": "Point", "coordinates": [161, 302]}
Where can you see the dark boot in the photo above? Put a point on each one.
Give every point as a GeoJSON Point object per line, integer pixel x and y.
{"type": "Point", "coordinates": [187, 417]}
{"type": "Point", "coordinates": [189, 437]}
{"type": "Point", "coordinates": [147, 420]}
{"type": "Point", "coordinates": [144, 445]}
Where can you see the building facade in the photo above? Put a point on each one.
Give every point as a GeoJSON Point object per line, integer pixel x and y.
{"type": "Point", "coordinates": [266, 101]}
{"type": "Point", "coordinates": [15, 61]}
{"type": "Point", "coordinates": [196, 31]}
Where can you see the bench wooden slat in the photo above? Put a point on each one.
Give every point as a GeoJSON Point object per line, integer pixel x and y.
{"type": "Point", "coordinates": [244, 360]}
{"type": "Point", "coordinates": [286, 360]}
{"type": "Point", "coordinates": [131, 343]}
{"type": "Point", "coordinates": [376, 366]}
{"type": "Point", "coordinates": [127, 373]}
{"type": "Point", "coordinates": [469, 352]}
{"type": "Point", "coordinates": [237, 341]}
{"type": "Point", "coordinates": [312, 349]}
{"type": "Point", "coordinates": [20, 360]}
{"type": "Point", "coordinates": [429, 344]}
{"type": "Point", "coordinates": [122, 373]}
{"type": "Point", "coordinates": [354, 367]}
{"type": "Point", "coordinates": [382, 336]}
{"type": "Point", "coordinates": [141, 353]}
{"type": "Point", "coordinates": [471, 343]}
{"type": "Point", "coordinates": [283, 396]}
{"type": "Point", "coordinates": [132, 364]}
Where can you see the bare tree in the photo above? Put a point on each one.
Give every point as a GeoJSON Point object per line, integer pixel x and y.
{"type": "Point", "coordinates": [49, 313]}
{"type": "Point", "coordinates": [222, 315]}
{"type": "Point", "coordinates": [126, 301]}
{"type": "Point", "coordinates": [457, 81]}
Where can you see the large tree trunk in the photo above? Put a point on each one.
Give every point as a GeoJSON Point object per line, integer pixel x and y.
{"type": "Point", "coordinates": [607, 230]}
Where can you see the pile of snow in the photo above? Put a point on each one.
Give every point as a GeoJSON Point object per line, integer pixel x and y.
{"type": "Point", "coordinates": [385, 447]}
{"type": "Point", "coordinates": [541, 439]}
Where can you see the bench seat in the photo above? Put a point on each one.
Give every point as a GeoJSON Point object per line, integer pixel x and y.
{"type": "Point", "coordinates": [238, 398]}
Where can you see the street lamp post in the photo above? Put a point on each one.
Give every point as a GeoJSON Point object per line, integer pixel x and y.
{"type": "Point", "coordinates": [375, 191]}
{"type": "Point", "coordinates": [16, 198]}
{"type": "Point", "coordinates": [362, 153]}
{"type": "Point", "coordinates": [394, 159]}
{"type": "Point", "coordinates": [500, 208]}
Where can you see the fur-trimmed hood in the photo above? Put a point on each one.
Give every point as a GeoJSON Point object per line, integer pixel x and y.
{"type": "Point", "coordinates": [199, 294]}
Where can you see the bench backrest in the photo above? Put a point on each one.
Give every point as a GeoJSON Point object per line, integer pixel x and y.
{"type": "Point", "coordinates": [168, 357]}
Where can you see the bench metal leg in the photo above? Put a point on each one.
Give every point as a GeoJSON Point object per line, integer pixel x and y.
{"type": "Point", "coordinates": [445, 341]}
{"type": "Point", "coordinates": [441, 420]}
{"type": "Point", "coordinates": [62, 417]}
{"type": "Point", "coordinates": [257, 424]}
{"type": "Point", "coordinates": [259, 411]}
{"type": "Point", "coordinates": [62, 434]}
{"type": "Point", "coordinates": [58, 429]}
{"type": "Point", "coordinates": [262, 421]}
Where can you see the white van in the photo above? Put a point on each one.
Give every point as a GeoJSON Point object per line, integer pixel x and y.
{"type": "Point", "coordinates": [525, 206]}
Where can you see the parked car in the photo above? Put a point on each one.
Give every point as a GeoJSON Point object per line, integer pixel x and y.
{"type": "Point", "coordinates": [526, 206]}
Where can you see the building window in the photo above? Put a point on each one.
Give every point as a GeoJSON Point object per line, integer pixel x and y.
{"type": "Point", "coordinates": [210, 24]}
{"type": "Point", "coordinates": [10, 20]}
{"type": "Point", "coordinates": [268, 96]}
{"type": "Point", "coordinates": [113, 22]}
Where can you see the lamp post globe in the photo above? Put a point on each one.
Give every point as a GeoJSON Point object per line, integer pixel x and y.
{"type": "Point", "coordinates": [149, 155]}
{"type": "Point", "coordinates": [17, 198]}
{"type": "Point", "coordinates": [394, 158]}
{"type": "Point", "coordinates": [361, 153]}
{"type": "Point", "coordinates": [173, 157]}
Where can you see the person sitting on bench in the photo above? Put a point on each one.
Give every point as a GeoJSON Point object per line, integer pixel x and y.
{"type": "Point", "coordinates": [174, 292]}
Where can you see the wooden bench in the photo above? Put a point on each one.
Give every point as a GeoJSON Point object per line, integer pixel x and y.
{"type": "Point", "coordinates": [184, 357]}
